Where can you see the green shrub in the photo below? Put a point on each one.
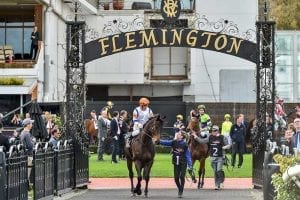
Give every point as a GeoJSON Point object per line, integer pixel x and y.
{"type": "Point", "coordinates": [285, 190]}
{"type": "Point", "coordinates": [11, 81]}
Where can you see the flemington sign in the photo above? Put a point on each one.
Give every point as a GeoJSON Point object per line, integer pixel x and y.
{"type": "Point", "coordinates": [170, 37]}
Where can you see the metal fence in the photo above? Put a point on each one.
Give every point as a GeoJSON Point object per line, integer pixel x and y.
{"type": "Point", "coordinates": [43, 171]}
{"type": "Point", "coordinates": [13, 172]}
{"type": "Point", "coordinates": [64, 167]}
{"type": "Point", "coordinates": [53, 171]}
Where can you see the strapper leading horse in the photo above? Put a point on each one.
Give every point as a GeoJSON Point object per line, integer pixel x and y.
{"type": "Point", "coordinates": [142, 153]}
{"type": "Point", "coordinates": [199, 151]}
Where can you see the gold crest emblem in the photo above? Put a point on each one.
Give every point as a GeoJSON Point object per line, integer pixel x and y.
{"type": "Point", "coordinates": [170, 10]}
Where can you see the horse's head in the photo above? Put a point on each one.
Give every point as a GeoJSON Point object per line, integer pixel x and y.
{"type": "Point", "coordinates": [194, 124]}
{"type": "Point", "coordinates": [153, 127]}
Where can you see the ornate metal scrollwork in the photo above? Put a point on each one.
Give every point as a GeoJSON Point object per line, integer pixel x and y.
{"type": "Point", "coordinates": [75, 81]}
{"type": "Point", "coordinates": [221, 26]}
{"type": "Point", "coordinates": [265, 76]}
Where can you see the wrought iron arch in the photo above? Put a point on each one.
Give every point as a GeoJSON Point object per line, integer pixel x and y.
{"type": "Point", "coordinates": [78, 54]}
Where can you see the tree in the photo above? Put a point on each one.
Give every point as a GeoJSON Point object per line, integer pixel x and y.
{"type": "Point", "coordinates": [286, 14]}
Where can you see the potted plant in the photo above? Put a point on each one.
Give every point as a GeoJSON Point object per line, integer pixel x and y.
{"type": "Point", "coordinates": [118, 4]}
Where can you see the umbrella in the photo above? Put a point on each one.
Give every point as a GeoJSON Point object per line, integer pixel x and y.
{"type": "Point", "coordinates": [39, 128]}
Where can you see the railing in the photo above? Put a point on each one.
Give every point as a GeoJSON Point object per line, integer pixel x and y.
{"type": "Point", "coordinates": [53, 171]}
{"type": "Point", "coordinates": [43, 171]}
{"type": "Point", "coordinates": [16, 185]}
{"type": "Point", "coordinates": [64, 167]}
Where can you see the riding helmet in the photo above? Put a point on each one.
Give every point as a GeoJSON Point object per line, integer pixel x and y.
{"type": "Point", "coordinates": [110, 103]}
{"type": "Point", "coordinates": [201, 107]}
{"type": "Point", "coordinates": [144, 101]}
{"type": "Point", "coordinates": [180, 117]}
{"type": "Point", "coordinates": [227, 116]}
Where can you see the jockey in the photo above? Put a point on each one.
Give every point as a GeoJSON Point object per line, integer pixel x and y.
{"type": "Point", "coordinates": [142, 113]}
{"type": "Point", "coordinates": [140, 116]}
{"type": "Point", "coordinates": [108, 109]}
{"type": "Point", "coordinates": [178, 125]}
{"type": "Point", "coordinates": [137, 128]}
{"type": "Point", "coordinates": [204, 121]}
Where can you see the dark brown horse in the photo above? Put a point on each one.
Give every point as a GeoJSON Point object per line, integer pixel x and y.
{"type": "Point", "coordinates": [90, 129]}
{"type": "Point", "coordinates": [142, 153]}
{"type": "Point", "coordinates": [198, 150]}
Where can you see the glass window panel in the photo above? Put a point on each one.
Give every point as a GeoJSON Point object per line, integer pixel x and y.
{"type": "Point", "coordinates": [27, 40]}
{"type": "Point", "coordinates": [14, 24]}
{"type": "Point", "coordinates": [161, 63]}
{"type": "Point", "coordinates": [178, 61]}
{"type": "Point", "coordinates": [2, 36]}
{"type": "Point", "coordinates": [14, 38]}
{"type": "Point", "coordinates": [298, 51]}
{"type": "Point", "coordinates": [29, 24]}
{"type": "Point", "coordinates": [284, 44]}
{"type": "Point", "coordinates": [284, 74]}
{"type": "Point", "coordinates": [285, 91]}
{"type": "Point", "coordinates": [284, 60]}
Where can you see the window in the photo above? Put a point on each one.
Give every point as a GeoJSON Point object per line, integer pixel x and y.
{"type": "Point", "coordinates": [169, 63]}
{"type": "Point", "coordinates": [16, 31]}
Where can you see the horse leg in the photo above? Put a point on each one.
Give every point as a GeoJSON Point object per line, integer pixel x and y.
{"type": "Point", "coordinates": [130, 173]}
{"type": "Point", "coordinates": [202, 172]}
{"type": "Point", "coordinates": [146, 176]}
{"type": "Point", "coordinates": [138, 168]}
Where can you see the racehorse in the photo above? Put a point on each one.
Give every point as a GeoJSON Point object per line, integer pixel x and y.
{"type": "Point", "coordinates": [90, 129]}
{"type": "Point", "coordinates": [199, 151]}
{"type": "Point", "coordinates": [142, 153]}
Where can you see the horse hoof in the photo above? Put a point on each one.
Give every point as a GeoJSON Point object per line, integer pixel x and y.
{"type": "Point", "coordinates": [139, 192]}
{"type": "Point", "coordinates": [132, 194]}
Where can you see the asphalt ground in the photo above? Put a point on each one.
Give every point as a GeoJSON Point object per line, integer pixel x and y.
{"type": "Point", "coordinates": [165, 194]}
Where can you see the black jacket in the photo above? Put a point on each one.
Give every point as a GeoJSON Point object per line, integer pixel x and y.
{"type": "Point", "coordinates": [4, 142]}
{"type": "Point", "coordinates": [35, 41]}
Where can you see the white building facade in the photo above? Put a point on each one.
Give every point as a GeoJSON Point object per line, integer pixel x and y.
{"type": "Point", "coordinates": [166, 73]}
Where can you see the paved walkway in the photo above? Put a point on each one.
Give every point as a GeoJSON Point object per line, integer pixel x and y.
{"type": "Point", "coordinates": [166, 183]}
{"type": "Point", "coordinates": [165, 189]}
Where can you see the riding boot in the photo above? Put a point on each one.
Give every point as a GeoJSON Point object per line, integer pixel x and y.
{"type": "Point", "coordinates": [128, 138]}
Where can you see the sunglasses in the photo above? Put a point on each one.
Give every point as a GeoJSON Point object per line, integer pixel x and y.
{"type": "Point", "coordinates": [214, 130]}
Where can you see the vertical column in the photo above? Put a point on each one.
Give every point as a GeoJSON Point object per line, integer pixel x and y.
{"type": "Point", "coordinates": [75, 100]}
{"type": "Point", "coordinates": [265, 99]}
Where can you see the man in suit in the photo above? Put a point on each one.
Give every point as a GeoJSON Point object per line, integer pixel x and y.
{"type": "Point", "coordinates": [115, 133]}
{"type": "Point", "coordinates": [295, 141]}
{"type": "Point", "coordinates": [34, 42]}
